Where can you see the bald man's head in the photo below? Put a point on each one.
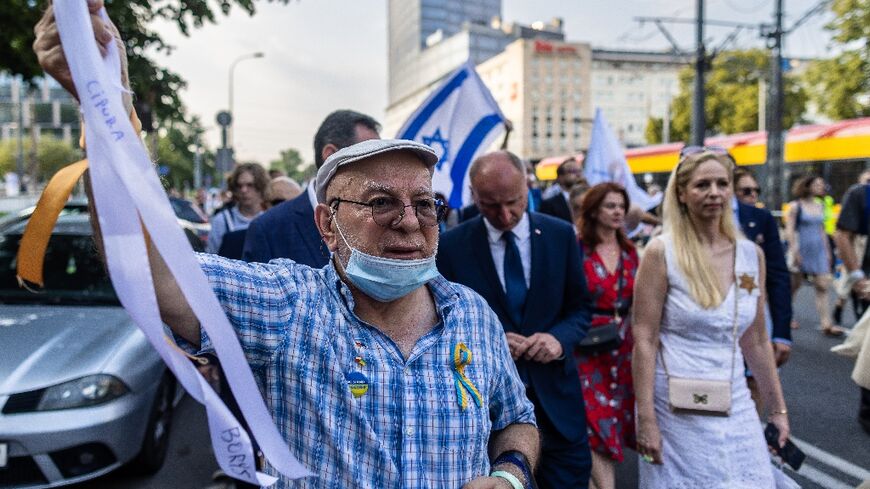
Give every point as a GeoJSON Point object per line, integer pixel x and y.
{"type": "Point", "coordinates": [498, 187]}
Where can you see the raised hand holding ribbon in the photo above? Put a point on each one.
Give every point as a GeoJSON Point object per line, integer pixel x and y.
{"type": "Point", "coordinates": [128, 194]}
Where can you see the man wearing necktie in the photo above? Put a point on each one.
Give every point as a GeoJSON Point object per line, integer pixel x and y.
{"type": "Point", "coordinates": [526, 265]}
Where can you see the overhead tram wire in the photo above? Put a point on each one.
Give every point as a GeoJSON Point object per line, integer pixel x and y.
{"type": "Point", "coordinates": [743, 10]}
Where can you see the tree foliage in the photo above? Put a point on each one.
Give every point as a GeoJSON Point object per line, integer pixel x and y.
{"type": "Point", "coordinates": [731, 104]}
{"type": "Point", "coordinates": [840, 86]}
{"type": "Point", "coordinates": [291, 164]}
{"type": "Point", "coordinates": [52, 154]}
{"type": "Point", "coordinates": [176, 146]}
{"type": "Point", "coordinates": [153, 84]}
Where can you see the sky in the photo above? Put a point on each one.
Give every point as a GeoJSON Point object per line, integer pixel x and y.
{"type": "Point", "coordinates": [323, 55]}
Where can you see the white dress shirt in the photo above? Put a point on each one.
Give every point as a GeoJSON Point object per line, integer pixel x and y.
{"type": "Point", "coordinates": [524, 244]}
{"type": "Point", "coordinates": [551, 191]}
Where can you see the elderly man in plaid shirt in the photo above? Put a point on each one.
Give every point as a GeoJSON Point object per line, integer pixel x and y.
{"type": "Point", "coordinates": [357, 358]}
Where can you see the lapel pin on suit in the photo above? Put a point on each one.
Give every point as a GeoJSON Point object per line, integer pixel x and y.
{"type": "Point", "coordinates": [752, 224]}
{"type": "Point", "coordinates": [537, 231]}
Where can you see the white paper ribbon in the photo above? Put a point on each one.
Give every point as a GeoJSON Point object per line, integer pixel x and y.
{"type": "Point", "coordinates": [126, 189]}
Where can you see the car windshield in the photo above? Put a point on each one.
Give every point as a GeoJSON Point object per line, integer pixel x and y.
{"type": "Point", "coordinates": [73, 273]}
{"type": "Point", "coordinates": [184, 210]}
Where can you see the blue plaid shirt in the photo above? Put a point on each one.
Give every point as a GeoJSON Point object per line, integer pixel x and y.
{"type": "Point", "coordinates": [300, 335]}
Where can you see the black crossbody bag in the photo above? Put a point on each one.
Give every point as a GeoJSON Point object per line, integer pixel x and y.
{"type": "Point", "coordinates": [605, 338]}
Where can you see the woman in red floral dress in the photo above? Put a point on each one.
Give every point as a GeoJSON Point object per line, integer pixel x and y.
{"type": "Point", "coordinates": [610, 262]}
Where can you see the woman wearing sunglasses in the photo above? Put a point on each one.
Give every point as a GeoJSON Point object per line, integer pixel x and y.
{"type": "Point", "coordinates": [698, 314]}
{"type": "Point", "coordinates": [809, 253]}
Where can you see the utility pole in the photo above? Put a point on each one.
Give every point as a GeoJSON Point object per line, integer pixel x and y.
{"type": "Point", "coordinates": [19, 168]}
{"type": "Point", "coordinates": [698, 120]}
{"type": "Point", "coordinates": [775, 181]}
{"type": "Point", "coordinates": [197, 164]}
{"type": "Point", "coordinates": [762, 104]}
{"type": "Point", "coordinates": [701, 58]}
{"type": "Point", "coordinates": [666, 120]}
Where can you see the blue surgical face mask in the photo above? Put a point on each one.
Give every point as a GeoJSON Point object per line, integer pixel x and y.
{"type": "Point", "coordinates": [386, 279]}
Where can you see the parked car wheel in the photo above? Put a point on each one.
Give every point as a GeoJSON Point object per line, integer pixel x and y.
{"type": "Point", "coordinates": [155, 445]}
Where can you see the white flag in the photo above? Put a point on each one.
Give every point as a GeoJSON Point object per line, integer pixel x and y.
{"type": "Point", "coordinates": [459, 120]}
{"type": "Point", "coordinates": [605, 162]}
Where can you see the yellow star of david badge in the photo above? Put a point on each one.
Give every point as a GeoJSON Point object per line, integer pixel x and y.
{"type": "Point", "coordinates": [747, 282]}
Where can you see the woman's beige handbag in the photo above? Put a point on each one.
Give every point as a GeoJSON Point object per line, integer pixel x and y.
{"type": "Point", "coordinates": [704, 396]}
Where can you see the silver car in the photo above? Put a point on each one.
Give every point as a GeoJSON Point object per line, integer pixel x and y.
{"type": "Point", "coordinates": [82, 392]}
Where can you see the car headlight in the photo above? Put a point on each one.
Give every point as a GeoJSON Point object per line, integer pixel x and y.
{"type": "Point", "coordinates": [86, 391]}
{"type": "Point", "coordinates": [83, 392]}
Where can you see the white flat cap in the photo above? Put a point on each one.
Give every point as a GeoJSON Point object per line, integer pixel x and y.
{"type": "Point", "coordinates": [367, 149]}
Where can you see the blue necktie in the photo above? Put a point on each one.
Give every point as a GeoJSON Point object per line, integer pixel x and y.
{"type": "Point", "coordinates": [514, 278]}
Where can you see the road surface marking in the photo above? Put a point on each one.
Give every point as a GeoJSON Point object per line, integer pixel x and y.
{"type": "Point", "coordinates": [822, 479]}
{"type": "Point", "coordinates": [832, 460]}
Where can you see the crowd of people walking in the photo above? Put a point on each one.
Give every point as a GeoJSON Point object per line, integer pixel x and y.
{"type": "Point", "coordinates": [512, 347]}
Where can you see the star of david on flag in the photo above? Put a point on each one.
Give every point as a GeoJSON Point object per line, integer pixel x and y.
{"type": "Point", "coordinates": [433, 142]}
{"type": "Point", "coordinates": [459, 120]}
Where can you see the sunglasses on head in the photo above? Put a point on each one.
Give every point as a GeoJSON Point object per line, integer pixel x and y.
{"type": "Point", "coordinates": [693, 150]}
{"type": "Point", "coordinates": [747, 191]}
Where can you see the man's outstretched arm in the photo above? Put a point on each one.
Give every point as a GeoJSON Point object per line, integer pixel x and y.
{"type": "Point", "coordinates": [174, 309]}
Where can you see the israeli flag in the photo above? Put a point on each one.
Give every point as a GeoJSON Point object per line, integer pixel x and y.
{"type": "Point", "coordinates": [605, 162]}
{"type": "Point", "coordinates": [459, 121]}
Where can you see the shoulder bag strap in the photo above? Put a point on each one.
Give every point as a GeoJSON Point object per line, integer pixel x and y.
{"type": "Point", "coordinates": [733, 327]}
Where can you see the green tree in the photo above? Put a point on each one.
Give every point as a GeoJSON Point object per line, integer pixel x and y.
{"type": "Point", "coordinates": [151, 83]}
{"type": "Point", "coordinates": [291, 163]}
{"type": "Point", "coordinates": [655, 129]}
{"type": "Point", "coordinates": [52, 154]}
{"type": "Point", "coordinates": [840, 86]}
{"type": "Point", "coordinates": [176, 146]}
{"type": "Point", "coordinates": [731, 104]}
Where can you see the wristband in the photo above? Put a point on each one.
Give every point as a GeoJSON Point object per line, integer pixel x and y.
{"type": "Point", "coordinates": [519, 460]}
{"type": "Point", "coordinates": [512, 479]}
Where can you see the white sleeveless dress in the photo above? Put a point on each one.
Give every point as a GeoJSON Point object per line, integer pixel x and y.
{"type": "Point", "coordinates": [708, 452]}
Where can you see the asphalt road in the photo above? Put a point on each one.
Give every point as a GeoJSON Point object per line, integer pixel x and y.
{"type": "Point", "coordinates": [822, 402]}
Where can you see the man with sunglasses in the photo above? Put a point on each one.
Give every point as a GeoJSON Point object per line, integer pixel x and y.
{"type": "Point", "coordinates": [556, 199]}
{"type": "Point", "coordinates": [759, 226]}
{"type": "Point", "coordinates": [746, 189]}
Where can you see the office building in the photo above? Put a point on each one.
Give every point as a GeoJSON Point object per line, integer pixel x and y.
{"type": "Point", "coordinates": [45, 107]}
{"type": "Point", "coordinates": [632, 86]}
{"type": "Point", "coordinates": [543, 87]}
{"type": "Point", "coordinates": [429, 39]}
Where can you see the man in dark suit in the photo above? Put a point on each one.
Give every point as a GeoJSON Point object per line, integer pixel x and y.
{"type": "Point", "coordinates": [527, 267]}
{"type": "Point", "coordinates": [287, 230]}
{"type": "Point", "coordinates": [557, 206]}
{"type": "Point", "coordinates": [759, 226]}
{"type": "Point", "coordinates": [556, 202]}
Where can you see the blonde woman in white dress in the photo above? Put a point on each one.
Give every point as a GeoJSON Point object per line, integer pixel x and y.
{"type": "Point", "coordinates": [685, 313]}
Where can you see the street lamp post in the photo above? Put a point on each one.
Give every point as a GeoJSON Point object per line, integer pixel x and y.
{"type": "Point", "coordinates": [232, 71]}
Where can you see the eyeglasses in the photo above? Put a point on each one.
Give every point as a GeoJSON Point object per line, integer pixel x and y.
{"type": "Point", "coordinates": [748, 191]}
{"type": "Point", "coordinates": [389, 211]}
{"type": "Point", "coordinates": [693, 150]}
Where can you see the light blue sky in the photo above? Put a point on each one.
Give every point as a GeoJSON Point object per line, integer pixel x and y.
{"type": "Point", "coordinates": [322, 55]}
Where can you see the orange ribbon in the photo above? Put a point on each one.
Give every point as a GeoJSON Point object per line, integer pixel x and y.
{"type": "Point", "coordinates": [34, 241]}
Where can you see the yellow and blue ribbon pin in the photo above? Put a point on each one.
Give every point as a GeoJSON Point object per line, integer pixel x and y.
{"type": "Point", "coordinates": [464, 386]}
